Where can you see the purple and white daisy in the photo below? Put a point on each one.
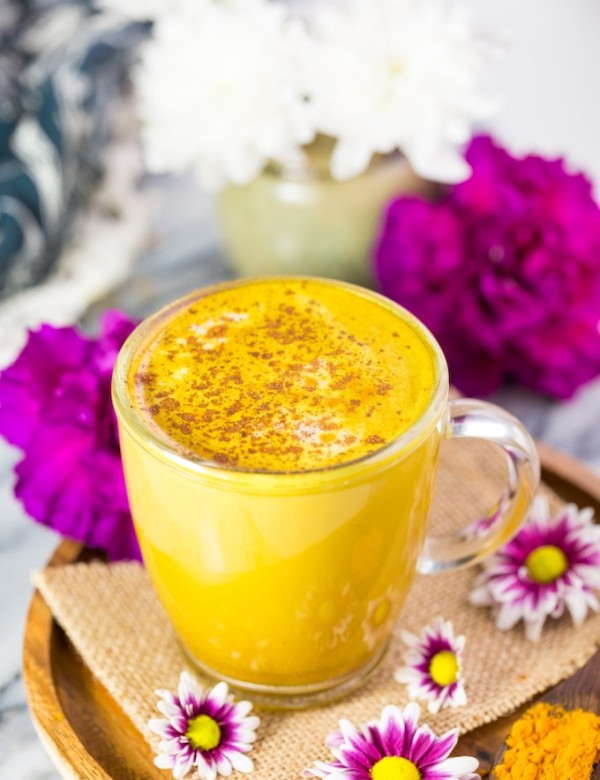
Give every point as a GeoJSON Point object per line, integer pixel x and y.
{"type": "Point", "coordinates": [486, 522]}
{"type": "Point", "coordinates": [381, 614]}
{"type": "Point", "coordinates": [551, 564]}
{"type": "Point", "coordinates": [203, 729]}
{"type": "Point", "coordinates": [433, 670]}
{"type": "Point", "coordinates": [328, 612]}
{"type": "Point", "coordinates": [394, 747]}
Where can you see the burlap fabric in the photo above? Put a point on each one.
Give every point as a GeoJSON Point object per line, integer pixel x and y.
{"type": "Point", "coordinates": [115, 622]}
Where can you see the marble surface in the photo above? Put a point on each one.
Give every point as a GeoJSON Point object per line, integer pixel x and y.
{"type": "Point", "coordinates": [185, 255]}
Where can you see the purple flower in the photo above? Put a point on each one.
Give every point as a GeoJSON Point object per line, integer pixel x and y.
{"type": "Point", "coordinates": [204, 729]}
{"type": "Point", "coordinates": [433, 670]}
{"type": "Point", "coordinates": [394, 746]}
{"type": "Point", "coordinates": [504, 270]}
{"type": "Point", "coordinates": [482, 525]}
{"type": "Point", "coordinates": [55, 405]}
{"type": "Point", "coordinates": [551, 564]}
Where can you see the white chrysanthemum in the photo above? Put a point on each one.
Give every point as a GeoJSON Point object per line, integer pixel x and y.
{"type": "Point", "coordinates": [395, 74]}
{"type": "Point", "coordinates": [218, 91]}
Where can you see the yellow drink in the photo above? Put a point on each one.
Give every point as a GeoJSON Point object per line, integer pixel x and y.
{"type": "Point", "coordinates": [283, 377]}
{"type": "Point", "coordinates": [280, 472]}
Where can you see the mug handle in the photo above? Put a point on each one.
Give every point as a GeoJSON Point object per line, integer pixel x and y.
{"type": "Point", "coordinates": [469, 418]}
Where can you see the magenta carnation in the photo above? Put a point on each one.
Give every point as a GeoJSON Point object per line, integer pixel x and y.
{"type": "Point", "coordinates": [55, 405]}
{"type": "Point", "coordinates": [504, 270]}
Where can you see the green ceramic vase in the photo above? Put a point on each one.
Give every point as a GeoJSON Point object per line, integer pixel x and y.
{"type": "Point", "coordinates": [299, 220]}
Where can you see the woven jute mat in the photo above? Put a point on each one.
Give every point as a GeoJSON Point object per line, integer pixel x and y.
{"type": "Point", "coordinates": [115, 622]}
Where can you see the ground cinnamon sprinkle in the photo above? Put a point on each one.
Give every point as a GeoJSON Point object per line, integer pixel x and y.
{"type": "Point", "coordinates": [283, 376]}
{"type": "Point", "coordinates": [550, 743]}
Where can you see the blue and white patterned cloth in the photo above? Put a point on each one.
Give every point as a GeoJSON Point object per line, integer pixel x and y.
{"type": "Point", "coordinates": [60, 66]}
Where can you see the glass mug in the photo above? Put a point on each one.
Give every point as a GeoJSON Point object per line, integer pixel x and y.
{"type": "Point", "coordinates": [287, 585]}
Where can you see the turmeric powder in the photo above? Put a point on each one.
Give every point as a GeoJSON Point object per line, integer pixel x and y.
{"type": "Point", "coordinates": [550, 743]}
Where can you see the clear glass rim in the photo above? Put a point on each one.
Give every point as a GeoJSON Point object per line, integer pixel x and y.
{"type": "Point", "coordinates": [135, 424]}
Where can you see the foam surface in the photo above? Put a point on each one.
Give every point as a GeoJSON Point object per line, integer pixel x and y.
{"type": "Point", "coordinates": [284, 376]}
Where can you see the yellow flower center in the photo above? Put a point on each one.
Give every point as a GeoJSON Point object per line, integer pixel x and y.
{"type": "Point", "coordinates": [444, 668]}
{"type": "Point", "coordinates": [203, 733]}
{"type": "Point", "coordinates": [395, 768]}
{"type": "Point", "coordinates": [546, 564]}
{"type": "Point", "coordinates": [381, 612]}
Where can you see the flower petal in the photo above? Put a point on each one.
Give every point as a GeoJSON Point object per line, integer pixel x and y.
{"type": "Point", "coordinates": [237, 731]}
{"type": "Point", "coordinates": [459, 766]}
{"type": "Point", "coordinates": [164, 762]}
{"type": "Point", "coordinates": [241, 762]}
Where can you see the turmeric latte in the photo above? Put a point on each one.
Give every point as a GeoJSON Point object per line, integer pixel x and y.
{"type": "Point", "coordinates": [283, 375]}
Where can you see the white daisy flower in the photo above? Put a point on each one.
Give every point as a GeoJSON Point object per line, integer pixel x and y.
{"type": "Point", "coordinates": [381, 615]}
{"type": "Point", "coordinates": [552, 564]}
{"type": "Point", "coordinates": [433, 670]}
{"type": "Point", "coordinates": [395, 747]}
{"type": "Point", "coordinates": [205, 729]}
{"type": "Point", "coordinates": [328, 611]}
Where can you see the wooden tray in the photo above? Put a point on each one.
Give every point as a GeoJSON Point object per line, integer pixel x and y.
{"type": "Point", "coordinates": [90, 738]}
